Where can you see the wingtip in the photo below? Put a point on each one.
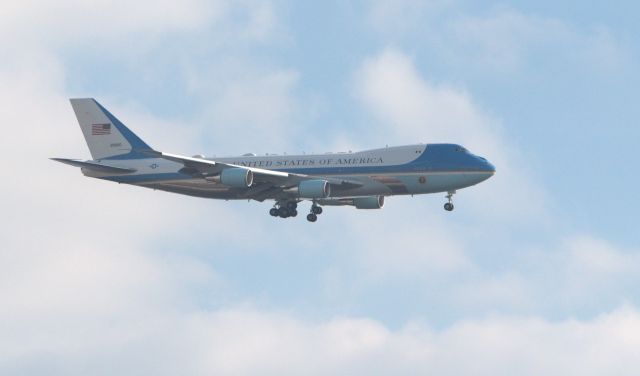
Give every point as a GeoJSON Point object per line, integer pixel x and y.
{"type": "Point", "coordinates": [72, 100]}
{"type": "Point", "coordinates": [62, 160]}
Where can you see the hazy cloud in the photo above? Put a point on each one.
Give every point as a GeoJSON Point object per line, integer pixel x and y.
{"type": "Point", "coordinates": [259, 108]}
{"type": "Point", "coordinates": [245, 341]}
{"type": "Point", "coordinates": [498, 39]}
{"type": "Point", "coordinates": [412, 109]}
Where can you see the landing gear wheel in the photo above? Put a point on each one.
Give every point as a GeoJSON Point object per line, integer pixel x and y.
{"type": "Point", "coordinates": [449, 205]}
{"type": "Point", "coordinates": [293, 213]}
{"type": "Point", "coordinates": [283, 212]}
{"type": "Point", "coordinates": [292, 205]}
{"type": "Point", "coordinates": [273, 212]}
{"type": "Point", "coordinates": [316, 210]}
{"type": "Point", "coordinates": [312, 217]}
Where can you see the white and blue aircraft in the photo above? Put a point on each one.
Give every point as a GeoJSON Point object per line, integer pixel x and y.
{"type": "Point", "coordinates": [360, 179]}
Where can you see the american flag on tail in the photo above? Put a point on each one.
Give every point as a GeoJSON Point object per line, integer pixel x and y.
{"type": "Point", "coordinates": [100, 129]}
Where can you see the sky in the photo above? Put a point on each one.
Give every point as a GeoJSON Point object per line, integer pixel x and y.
{"type": "Point", "coordinates": [535, 272]}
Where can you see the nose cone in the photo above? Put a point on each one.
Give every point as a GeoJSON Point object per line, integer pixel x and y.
{"type": "Point", "coordinates": [489, 167]}
{"type": "Point", "coordinates": [486, 167]}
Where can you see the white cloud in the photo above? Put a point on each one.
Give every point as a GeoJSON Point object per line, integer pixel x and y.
{"type": "Point", "coordinates": [246, 341]}
{"type": "Point", "coordinates": [422, 248]}
{"type": "Point", "coordinates": [262, 22]}
{"type": "Point", "coordinates": [68, 22]}
{"type": "Point", "coordinates": [69, 242]}
{"type": "Point", "coordinates": [490, 291]}
{"type": "Point", "coordinates": [411, 110]}
{"type": "Point", "coordinates": [500, 40]}
{"type": "Point", "coordinates": [605, 51]}
{"type": "Point", "coordinates": [585, 272]}
{"type": "Point", "coordinates": [394, 90]}
{"type": "Point", "coordinates": [132, 27]}
{"type": "Point", "coordinates": [507, 39]}
{"type": "Point", "coordinates": [503, 39]}
{"type": "Point", "coordinates": [78, 266]}
{"type": "Point", "coordinates": [578, 275]}
{"type": "Point", "coordinates": [259, 107]}
{"type": "Point", "coordinates": [596, 256]}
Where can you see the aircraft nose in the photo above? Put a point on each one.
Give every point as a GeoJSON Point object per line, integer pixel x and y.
{"type": "Point", "coordinates": [487, 166]}
{"type": "Point", "coordinates": [490, 167]}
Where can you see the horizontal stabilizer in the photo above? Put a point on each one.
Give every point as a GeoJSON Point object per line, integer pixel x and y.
{"type": "Point", "coordinates": [95, 166]}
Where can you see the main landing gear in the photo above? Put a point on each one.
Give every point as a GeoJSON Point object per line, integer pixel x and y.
{"type": "Point", "coordinates": [315, 212]}
{"type": "Point", "coordinates": [449, 205]}
{"type": "Point", "coordinates": [290, 209]}
{"type": "Point", "coordinates": [284, 210]}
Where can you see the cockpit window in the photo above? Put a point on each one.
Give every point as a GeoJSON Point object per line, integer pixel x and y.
{"type": "Point", "coordinates": [461, 149]}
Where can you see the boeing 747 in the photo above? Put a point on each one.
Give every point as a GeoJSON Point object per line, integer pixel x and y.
{"type": "Point", "coordinates": [360, 179]}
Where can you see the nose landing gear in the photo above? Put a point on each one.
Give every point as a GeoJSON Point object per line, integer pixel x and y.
{"type": "Point", "coordinates": [449, 205]}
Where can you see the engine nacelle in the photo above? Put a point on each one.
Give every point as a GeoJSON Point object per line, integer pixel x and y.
{"type": "Point", "coordinates": [236, 177]}
{"type": "Point", "coordinates": [373, 202]}
{"type": "Point", "coordinates": [314, 189]}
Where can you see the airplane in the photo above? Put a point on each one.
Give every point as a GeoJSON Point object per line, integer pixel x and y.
{"type": "Point", "coordinates": [360, 179]}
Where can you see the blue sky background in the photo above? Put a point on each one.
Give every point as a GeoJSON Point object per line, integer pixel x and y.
{"type": "Point", "coordinates": [105, 278]}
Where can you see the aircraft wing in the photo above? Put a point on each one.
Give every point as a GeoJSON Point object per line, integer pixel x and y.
{"type": "Point", "coordinates": [95, 166]}
{"type": "Point", "coordinates": [207, 167]}
{"type": "Point", "coordinates": [275, 178]}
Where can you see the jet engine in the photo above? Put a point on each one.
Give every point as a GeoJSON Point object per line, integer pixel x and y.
{"type": "Point", "coordinates": [234, 177]}
{"type": "Point", "coordinates": [314, 189]}
{"type": "Point", "coordinates": [372, 202]}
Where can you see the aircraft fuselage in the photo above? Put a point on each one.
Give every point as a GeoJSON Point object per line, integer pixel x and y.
{"type": "Point", "coordinates": [400, 170]}
{"type": "Point", "coordinates": [360, 179]}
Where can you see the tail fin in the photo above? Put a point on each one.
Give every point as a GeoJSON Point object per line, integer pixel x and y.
{"type": "Point", "coordinates": [106, 136]}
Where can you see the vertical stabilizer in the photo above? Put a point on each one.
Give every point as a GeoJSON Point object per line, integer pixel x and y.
{"type": "Point", "coordinates": [106, 136]}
